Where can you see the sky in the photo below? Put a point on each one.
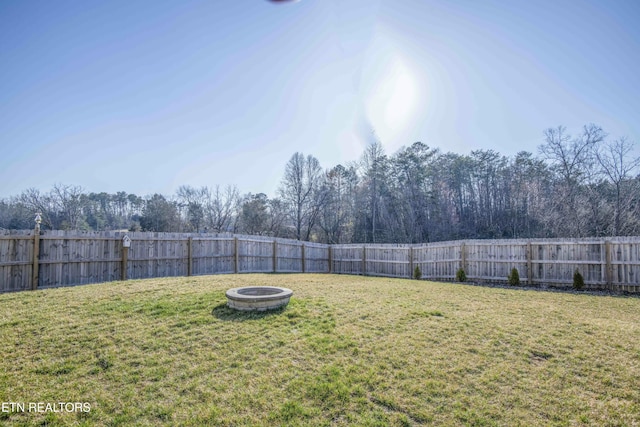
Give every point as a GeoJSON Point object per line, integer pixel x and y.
{"type": "Point", "coordinates": [145, 96]}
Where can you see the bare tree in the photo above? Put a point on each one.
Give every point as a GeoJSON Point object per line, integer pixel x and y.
{"type": "Point", "coordinates": [412, 179]}
{"type": "Point", "coordinates": [571, 159]}
{"type": "Point", "coordinates": [529, 180]}
{"type": "Point", "coordinates": [192, 202]}
{"type": "Point", "coordinates": [618, 167]}
{"type": "Point", "coordinates": [300, 189]}
{"type": "Point", "coordinates": [579, 185]}
{"type": "Point", "coordinates": [37, 202]}
{"type": "Point", "coordinates": [222, 208]}
{"type": "Point", "coordinates": [277, 218]}
{"type": "Point", "coordinates": [336, 219]}
{"type": "Point", "coordinates": [15, 215]}
{"type": "Point", "coordinates": [374, 166]}
{"type": "Point", "coordinates": [69, 203]}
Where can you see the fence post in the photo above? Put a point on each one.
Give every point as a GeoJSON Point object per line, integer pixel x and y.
{"type": "Point", "coordinates": [330, 259]}
{"type": "Point", "coordinates": [463, 257]}
{"type": "Point", "coordinates": [411, 262]}
{"type": "Point", "coordinates": [235, 255]}
{"type": "Point", "coordinates": [125, 261]}
{"type": "Point", "coordinates": [189, 256]}
{"type": "Point", "coordinates": [304, 267]}
{"type": "Point", "coordinates": [529, 265]}
{"type": "Point", "coordinates": [275, 256]}
{"type": "Point", "coordinates": [364, 260]}
{"type": "Point", "coordinates": [35, 277]}
{"type": "Point", "coordinates": [608, 264]}
{"type": "Point", "coordinates": [126, 243]}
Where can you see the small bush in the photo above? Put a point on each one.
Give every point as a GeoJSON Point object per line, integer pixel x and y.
{"type": "Point", "coordinates": [461, 276]}
{"type": "Point", "coordinates": [578, 280]}
{"type": "Point", "coordinates": [514, 277]}
{"type": "Point", "coordinates": [417, 273]}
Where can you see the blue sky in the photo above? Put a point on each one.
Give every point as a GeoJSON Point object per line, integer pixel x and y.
{"type": "Point", "coordinates": [145, 96]}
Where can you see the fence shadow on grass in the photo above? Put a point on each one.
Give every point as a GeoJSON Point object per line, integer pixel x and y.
{"type": "Point", "coordinates": [223, 312]}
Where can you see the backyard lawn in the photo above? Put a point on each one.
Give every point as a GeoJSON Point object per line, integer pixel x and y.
{"type": "Point", "coordinates": [347, 350]}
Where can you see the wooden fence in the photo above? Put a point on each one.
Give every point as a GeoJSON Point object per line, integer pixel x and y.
{"type": "Point", "coordinates": [612, 263]}
{"type": "Point", "coordinates": [30, 260]}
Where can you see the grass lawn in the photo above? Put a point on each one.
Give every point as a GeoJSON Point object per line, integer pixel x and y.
{"type": "Point", "coordinates": [347, 350]}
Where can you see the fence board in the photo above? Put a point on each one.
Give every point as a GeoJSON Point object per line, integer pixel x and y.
{"type": "Point", "coordinates": [66, 260]}
{"type": "Point", "coordinates": [438, 261]}
{"type": "Point", "coordinates": [255, 256]}
{"type": "Point", "coordinates": [316, 258]}
{"type": "Point", "coordinates": [347, 259]}
{"type": "Point", "coordinates": [388, 261]}
{"type": "Point", "coordinates": [158, 257]}
{"type": "Point", "coordinates": [495, 261]}
{"type": "Point", "coordinates": [289, 257]}
{"type": "Point", "coordinates": [16, 253]}
{"type": "Point", "coordinates": [214, 256]}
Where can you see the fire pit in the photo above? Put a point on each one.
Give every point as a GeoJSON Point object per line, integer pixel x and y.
{"type": "Point", "coordinates": [258, 298]}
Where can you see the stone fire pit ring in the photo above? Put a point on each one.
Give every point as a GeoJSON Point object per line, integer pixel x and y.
{"type": "Point", "coordinates": [258, 298]}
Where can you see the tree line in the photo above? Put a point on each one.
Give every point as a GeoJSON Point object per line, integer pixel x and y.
{"type": "Point", "coordinates": [585, 184]}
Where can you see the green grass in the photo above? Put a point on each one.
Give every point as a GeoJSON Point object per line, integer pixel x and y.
{"type": "Point", "coordinates": [347, 350]}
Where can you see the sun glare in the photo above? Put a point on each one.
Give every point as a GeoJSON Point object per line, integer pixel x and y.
{"type": "Point", "coordinates": [392, 100]}
{"type": "Point", "coordinates": [402, 96]}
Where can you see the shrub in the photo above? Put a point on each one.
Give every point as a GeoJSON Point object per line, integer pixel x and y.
{"type": "Point", "coordinates": [514, 277]}
{"type": "Point", "coordinates": [417, 274]}
{"type": "Point", "coordinates": [578, 280]}
{"type": "Point", "coordinates": [461, 276]}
